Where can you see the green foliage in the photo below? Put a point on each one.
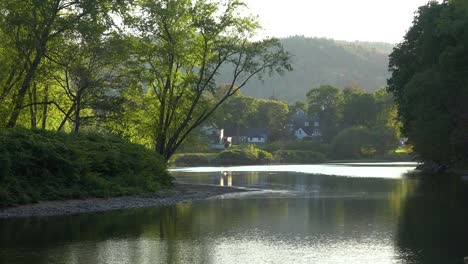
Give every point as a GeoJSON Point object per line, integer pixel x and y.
{"type": "Point", "coordinates": [326, 102]}
{"type": "Point", "coordinates": [184, 59]}
{"type": "Point", "coordinates": [360, 108]}
{"type": "Point", "coordinates": [298, 156]}
{"type": "Point", "coordinates": [272, 114]}
{"type": "Point", "coordinates": [146, 70]}
{"type": "Point", "coordinates": [297, 145]}
{"type": "Point", "coordinates": [429, 83]}
{"type": "Point", "coordinates": [238, 157]}
{"type": "Point", "coordinates": [44, 165]}
{"type": "Point", "coordinates": [265, 156]}
{"type": "Point", "coordinates": [360, 142]}
{"type": "Point", "coordinates": [246, 156]}
{"type": "Point", "coordinates": [352, 143]}
{"type": "Point", "coordinates": [195, 159]}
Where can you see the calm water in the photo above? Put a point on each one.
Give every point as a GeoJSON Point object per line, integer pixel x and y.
{"type": "Point", "coordinates": [365, 213]}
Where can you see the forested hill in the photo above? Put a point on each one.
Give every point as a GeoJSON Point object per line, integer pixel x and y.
{"type": "Point", "coordinates": [318, 61]}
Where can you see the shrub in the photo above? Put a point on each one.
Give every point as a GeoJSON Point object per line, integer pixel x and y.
{"type": "Point", "coordinates": [238, 157]}
{"type": "Point", "coordinates": [195, 159]}
{"type": "Point", "coordinates": [43, 165]}
{"type": "Point", "coordinates": [264, 156]}
{"type": "Point", "coordinates": [352, 143]}
{"type": "Point", "coordinates": [304, 145]}
{"type": "Point", "coordinates": [298, 156]}
{"type": "Point", "coordinates": [360, 142]}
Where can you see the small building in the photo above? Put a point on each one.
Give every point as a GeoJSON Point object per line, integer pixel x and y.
{"type": "Point", "coordinates": [302, 126]}
{"type": "Point", "coordinates": [217, 138]}
{"type": "Point", "coordinates": [306, 132]}
{"type": "Point", "coordinates": [248, 135]}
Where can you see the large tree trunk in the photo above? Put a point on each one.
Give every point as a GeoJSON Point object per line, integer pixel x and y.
{"type": "Point", "coordinates": [76, 128]}
{"type": "Point", "coordinates": [33, 107]}
{"type": "Point", "coordinates": [45, 107]}
{"type": "Point", "coordinates": [67, 116]}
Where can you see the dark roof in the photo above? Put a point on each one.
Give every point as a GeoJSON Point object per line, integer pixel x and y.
{"type": "Point", "coordinates": [308, 130]}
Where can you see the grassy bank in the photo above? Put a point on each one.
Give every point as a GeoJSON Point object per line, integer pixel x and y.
{"type": "Point", "coordinates": [40, 165]}
{"type": "Point", "coordinates": [247, 156]}
{"type": "Point", "coordinates": [293, 152]}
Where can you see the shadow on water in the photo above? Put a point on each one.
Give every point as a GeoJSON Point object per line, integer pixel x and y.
{"type": "Point", "coordinates": [434, 223]}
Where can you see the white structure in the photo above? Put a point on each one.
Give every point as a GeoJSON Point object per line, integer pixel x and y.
{"type": "Point", "coordinates": [256, 139]}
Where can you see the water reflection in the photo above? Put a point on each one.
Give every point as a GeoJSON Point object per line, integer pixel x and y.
{"type": "Point", "coordinates": [225, 179]}
{"type": "Point", "coordinates": [306, 219]}
{"type": "Point", "coordinates": [433, 225]}
{"type": "Point", "coordinates": [225, 231]}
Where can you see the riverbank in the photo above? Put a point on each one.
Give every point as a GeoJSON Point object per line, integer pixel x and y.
{"type": "Point", "coordinates": [253, 156]}
{"type": "Point", "coordinates": [179, 193]}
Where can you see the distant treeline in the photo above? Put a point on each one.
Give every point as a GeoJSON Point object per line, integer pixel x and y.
{"type": "Point", "coordinates": [319, 61]}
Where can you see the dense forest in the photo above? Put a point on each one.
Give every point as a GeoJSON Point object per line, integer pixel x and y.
{"type": "Point", "coordinates": [319, 61]}
{"type": "Point", "coordinates": [430, 84]}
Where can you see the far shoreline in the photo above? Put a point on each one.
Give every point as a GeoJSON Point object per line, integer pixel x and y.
{"type": "Point", "coordinates": [180, 193]}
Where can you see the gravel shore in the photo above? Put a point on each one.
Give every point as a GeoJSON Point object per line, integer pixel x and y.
{"type": "Point", "coordinates": [180, 193]}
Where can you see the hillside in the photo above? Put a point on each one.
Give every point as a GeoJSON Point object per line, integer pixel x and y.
{"type": "Point", "coordinates": [318, 61]}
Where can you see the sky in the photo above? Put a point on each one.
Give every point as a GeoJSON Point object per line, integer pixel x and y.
{"type": "Point", "coordinates": [364, 20]}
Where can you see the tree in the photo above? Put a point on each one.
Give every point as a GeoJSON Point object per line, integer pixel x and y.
{"type": "Point", "coordinates": [326, 102]}
{"type": "Point", "coordinates": [430, 84]}
{"type": "Point", "coordinates": [298, 106]}
{"type": "Point", "coordinates": [353, 143]}
{"type": "Point", "coordinates": [228, 115]}
{"type": "Point", "coordinates": [89, 70]}
{"type": "Point", "coordinates": [273, 115]}
{"type": "Point", "coordinates": [28, 27]}
{"type": "Point", "coordinates": [182, 46]}
{"type": "Point", "coordinates": [359, 108]}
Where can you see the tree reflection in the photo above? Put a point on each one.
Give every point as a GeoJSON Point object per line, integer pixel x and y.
{"type": "Point", "coordinates": [433, 227]}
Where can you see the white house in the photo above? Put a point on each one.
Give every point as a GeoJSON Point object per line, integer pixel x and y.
{"type": "Point", "coordinates": [304, 127]}
{"type": "Point", "coordinates": [256, 139]}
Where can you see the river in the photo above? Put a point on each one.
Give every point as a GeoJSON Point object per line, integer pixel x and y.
{"type": "Point", "coordinates": [332, 213]}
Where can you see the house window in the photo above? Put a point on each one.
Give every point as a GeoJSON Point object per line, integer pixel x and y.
{"type": "Point", "coordinates": [300, 132]}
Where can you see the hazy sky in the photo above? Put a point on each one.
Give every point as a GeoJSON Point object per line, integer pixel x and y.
{"type": "Point", "coordinates": [367, 20]}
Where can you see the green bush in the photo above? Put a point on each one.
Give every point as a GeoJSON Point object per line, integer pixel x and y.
{"type": "Point", "coordinates": [195, 159]}
{"type": "Point", "coordinates": [298, 156]}
{"type": "Point", "coordinates": [238, 157]}
{"type": "Point", "coordinates": [304, 145]}
{"type": "Point", "coordinates": [43, 165]}
{"type": "Point", "coordinates": [397, 157]}
{"type": "Point", "coordinates": [265, 156]}
{"type": "Point", "coordinates": [360, 142]}
{"type": "Point", "coordinates": [353, 143]}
